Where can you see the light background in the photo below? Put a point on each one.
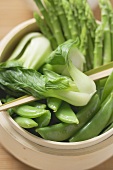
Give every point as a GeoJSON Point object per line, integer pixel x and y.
{"type": "Point", "coordinates": [12, 13]}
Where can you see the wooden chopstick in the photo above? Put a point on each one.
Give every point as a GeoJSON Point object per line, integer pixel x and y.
{"type": "Point", "coordinates": [17, 102]}
{"type": "Point", "coordinates": [101, 74]}
{"type": "Point", "coordinates": [26, 98]}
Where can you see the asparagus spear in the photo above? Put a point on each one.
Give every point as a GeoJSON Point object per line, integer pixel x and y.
{"type": "Point", "coordinates": [107, 36]}
{"type": "Point", "coordinates": [91, 27]}
{"type": "Point", "coordinates": [62, 17]}
{"type": "Point", "coordinates": [98, 49]}
{"type": "Point", "coordinates": [55, 23]}
{"type": "Point", "coordinates": [84, 46]}
{"type": "Point", "coordinates": [87, 22]}
{"type": "Point", "coordinates": [90, 49]}
{"type": "Point", "coordinates": [45, 30]}
{"type": "Point", "coordinates": [83, 38]}
{"type": "Point", "coordinates": [107, 45]}
{"type": "Point", "coordinates": [111, 26]}
{"type": "Point", "coordinates": [91, 22]}
{"type": "Point", "coordinates": [75, 13]}
{"type": "Point", "coordinates": [44, 13]}
{"type": "Point", "coordinates": [70, 18]}
{"type": "Point", "coordinates": [80, 5]}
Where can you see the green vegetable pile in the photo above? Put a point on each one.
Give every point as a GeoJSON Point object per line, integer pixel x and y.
{"type": "Point", "coordinates": [71, 19]}
{"type": "Point", "coordinates": [51, 64]}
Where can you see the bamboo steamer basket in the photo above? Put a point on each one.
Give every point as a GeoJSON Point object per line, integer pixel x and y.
{"type": "Point", "coordinates": [40, 153]}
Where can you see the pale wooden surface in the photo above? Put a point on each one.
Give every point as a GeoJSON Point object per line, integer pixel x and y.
{"type": "Point", "coordinates": [13, 12]}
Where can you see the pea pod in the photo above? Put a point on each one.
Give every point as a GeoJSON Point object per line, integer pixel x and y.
{"type": "Point", "coordinates": [110, 120]}
{"type": "Point", "coordinates": [29, 111]}
{"type": "Point", "coordinates": [108, 128]}
{"type": "Point", "coordinates": [95, 126]}
{"type": "Point", "coordinates": [63, 131]}
{"type": "Point", "coordinates": [38, 105]}
{"type": "Point", "coordinates": [108, 88]}
{"type": "Point", "coordinates": [8, 99]}
{"type": "Point", "coordinates": [66, 114]}
{"type": "Point", "coordinates": [54, 103]}
{"type": "Point", "coordinates": [43, 120]}
{"type": "Point", "coordinates": [25, 122]}
{"type": "Point", "coordinates": [57, 132]}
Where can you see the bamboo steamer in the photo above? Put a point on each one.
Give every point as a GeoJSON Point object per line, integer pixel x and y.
{"type": "Point", "coordinates": [40, 153]}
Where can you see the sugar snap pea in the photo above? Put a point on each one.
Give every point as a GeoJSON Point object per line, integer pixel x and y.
{"type": "Point", "coordinates": [25, 122]}
{"type": "Point", "coordinates": [110, 120]}
{"type": "Point", "coordinates": [108, 88]}
{"type": "Point", "coordinates": [43, 120]}
{"type": "Point", "coordinates": [29, 111]}
{"type": "Point", "coordinates": [54, 103]}
{"type": "Point", "coordinates": [38, 105]}
{"type": "Point", "coordinates": [57, 132]}
{"type": "Point", "coordinates": [96, 124]}
{"type": "Point", "coordinates": [8, 99]}
{"type": "Point", "coordinates": [108, 128]}
{"type": "Point", "coordinates": [63, 131]}
{"type": "Point", "coordinates": [66, 114]}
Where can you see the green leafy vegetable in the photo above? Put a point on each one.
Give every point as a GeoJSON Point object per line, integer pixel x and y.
{"type": "Point", "coordinates": [83, 44]}
{"type": "Point", "coordinates": [45, 30]}
{"type": "Point", "coordinates": [20, 80]}
{"type": "Point", "coordinates": [32, 51]}
{"type": "Point", "coordinates": [64, 52]}
{"type": "Point", "coordinates": [20, 48]}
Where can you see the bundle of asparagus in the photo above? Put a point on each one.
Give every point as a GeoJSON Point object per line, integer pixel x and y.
{"type": "Point", "coordinates": [62, 20]}
{"type": "Point", "coordinates": [104, 35]}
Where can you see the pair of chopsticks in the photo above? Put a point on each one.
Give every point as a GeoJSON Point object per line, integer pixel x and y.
{"type": "Point", "coordinates": [94, 74]}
